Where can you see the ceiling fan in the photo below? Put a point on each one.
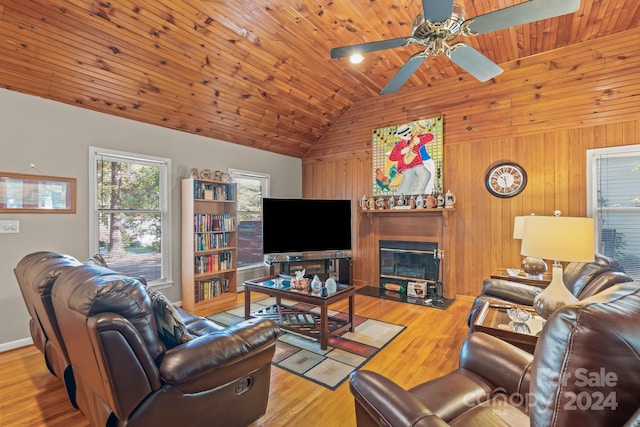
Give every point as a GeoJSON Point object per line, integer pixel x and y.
{"type": "Point", "coordinates": [441, 21]}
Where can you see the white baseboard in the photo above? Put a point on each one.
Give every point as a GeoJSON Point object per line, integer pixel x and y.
{"type": "Point", "coordinates": [15, 344]}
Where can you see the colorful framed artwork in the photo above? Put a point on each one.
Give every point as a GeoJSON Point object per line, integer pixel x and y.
{"type": "Point", "coordinates": [23, 193]}
{"type": "Point", "coordinates": [408, 158]}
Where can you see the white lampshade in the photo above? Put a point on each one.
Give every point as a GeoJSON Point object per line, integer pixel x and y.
{"type": "Point", "coordinates": [518, 227]}
{"type": "Point", "coordinates": [558, 238]}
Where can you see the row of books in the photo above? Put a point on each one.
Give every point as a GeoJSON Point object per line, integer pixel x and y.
{"type": "Point", "coordinates": [207, 289]}
{"type": "Point", "coordinates": [208, 241]}
{"type": "Point", "coordinates": [213, 222]}
{"type": "Point", "coordinates": [213, 262]}
{"type": "Point", "coordinates": [208, 191]}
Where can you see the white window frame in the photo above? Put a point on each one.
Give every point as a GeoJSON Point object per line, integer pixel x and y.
{"type": "Point", "coordinates": [164, 165]}
{"type": "Point", "coordinates": [266, 184]}
{"type": "Point", "coordinates": [592, 187]}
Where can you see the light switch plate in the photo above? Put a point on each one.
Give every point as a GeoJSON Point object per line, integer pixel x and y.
{"type": "Point", "coordinates": [10, 226]}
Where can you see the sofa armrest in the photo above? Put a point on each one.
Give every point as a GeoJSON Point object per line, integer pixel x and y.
{"type": "Point", "coordinates": [387, 404]}
{"type": "Point", "coordinates": [499, 362]}
{"type": "Point", "coordinates": [519, 293]}
{"type": "Point", "coordinates": [221, 350]}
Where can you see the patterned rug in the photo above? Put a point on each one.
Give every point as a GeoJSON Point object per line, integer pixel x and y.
{"type": "Point", "coordinates": [331, 367]}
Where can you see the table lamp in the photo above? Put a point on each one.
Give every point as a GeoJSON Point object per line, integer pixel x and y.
{"type": "Point", "coordinates": [560, 239]}
{"type": "Point", "coordinates": [532, 266]}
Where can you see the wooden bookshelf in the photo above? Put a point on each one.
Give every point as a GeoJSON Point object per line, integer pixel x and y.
{"type": "Point", "coordinates": [209, 241]}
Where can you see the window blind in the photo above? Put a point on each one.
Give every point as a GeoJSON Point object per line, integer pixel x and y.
{"type": "Point", "coordinates": [615, 204]}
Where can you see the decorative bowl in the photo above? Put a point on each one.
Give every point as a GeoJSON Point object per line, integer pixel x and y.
{"type": "Point", "coordinates": [518, 315]}
{"type": "Point", "coordinates": [513, 271]}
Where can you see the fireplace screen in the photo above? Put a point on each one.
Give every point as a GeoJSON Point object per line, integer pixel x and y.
{"type": "Point", "coordinates": [402, 262]}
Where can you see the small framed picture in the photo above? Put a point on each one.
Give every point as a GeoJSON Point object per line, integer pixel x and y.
{"type": "Point", "coordinates": [416, 289]}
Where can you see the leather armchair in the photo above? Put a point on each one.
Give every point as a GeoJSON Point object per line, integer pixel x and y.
{"type": "Point", "coordinates": [36, 274]}
{"type": "Point", "coordinates": [123, 373]}
{"type": "Point", "coordinates": [582, 279]}
{"type": "Point", "coordinates": [569, 380]}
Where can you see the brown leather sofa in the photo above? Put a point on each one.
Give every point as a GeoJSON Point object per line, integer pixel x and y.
{"type": "Point", "coordinates": [36, 273]}
{"type": "Point", "coordinates": [585, 372]}
{"type": "Point", "coordinates": [582, 279]}
{"type": "Point", "coordinates": [125, 374]}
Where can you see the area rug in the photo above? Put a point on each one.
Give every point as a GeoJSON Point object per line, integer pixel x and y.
{"type": "Point", "coordinates": [303, 356]}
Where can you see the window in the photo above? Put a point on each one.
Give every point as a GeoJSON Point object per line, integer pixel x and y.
{"type": "Point", "coordinates": [613, 200]}
{"type": "Point", "coordinates": [130, 224]}
{"type": "Point", "coordinates": [251, 188]}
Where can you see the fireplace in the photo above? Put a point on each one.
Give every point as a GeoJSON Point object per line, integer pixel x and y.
{"type": "Point", "coordinates": [403, 262]}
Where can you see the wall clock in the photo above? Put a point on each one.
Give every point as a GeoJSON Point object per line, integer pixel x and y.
{"type": "Point", "coordinates": [506, 179]}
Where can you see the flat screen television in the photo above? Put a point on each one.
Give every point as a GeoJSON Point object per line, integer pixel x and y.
{"type": "Point", "coordinates": [305, 225]}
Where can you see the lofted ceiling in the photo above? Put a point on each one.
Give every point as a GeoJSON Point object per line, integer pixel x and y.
{"type": "Point", "coordinates": [256, 73]}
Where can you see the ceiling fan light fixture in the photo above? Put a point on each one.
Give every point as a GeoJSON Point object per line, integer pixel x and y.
{"type": "Point", "coordinates": [441, 21]}
{"type": "Point", "coordinates": [356, 58]}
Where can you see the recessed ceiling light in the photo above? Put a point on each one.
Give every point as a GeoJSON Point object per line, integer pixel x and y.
{"type": "Point", "coordinates": [356, 58]}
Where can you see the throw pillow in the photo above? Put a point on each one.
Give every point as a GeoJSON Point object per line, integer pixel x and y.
{"type": "Point", "coordinates": [171, 329]}
{"type": "Point", "coordinates": [98, 260]}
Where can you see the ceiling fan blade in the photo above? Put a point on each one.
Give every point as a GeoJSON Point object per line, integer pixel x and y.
{"type": "Point", "coordinates": [473, 62]}
{"type": "Point", "coordinates": [523, 13]}
{"type": "Point", "coordinates": [437, 10]}
{"type": "Point", "coordinates": [404, 73]}
{"type": "Point", "coordinates": [339, 52]}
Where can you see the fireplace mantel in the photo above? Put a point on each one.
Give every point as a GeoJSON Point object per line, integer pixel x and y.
{"type": "Point", "coordinates": [422, 225]}
{"type": "Point", "coordinates": [427, 211]}
{"type": "Point", "coordinates": [439, 212]}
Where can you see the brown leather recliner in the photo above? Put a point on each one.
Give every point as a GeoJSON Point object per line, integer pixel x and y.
{"type": "Point", "coordinates": [582, 279]}
{"type": "Point", "coordinates": [36, 274]}
{"type": "Point", "coordinates": [125, 375]}
{"type": "Point", "coordinates": [585, 372]}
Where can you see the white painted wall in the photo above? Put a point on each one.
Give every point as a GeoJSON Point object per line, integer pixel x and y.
{"type": "Point", "coordinates": [55, 138]}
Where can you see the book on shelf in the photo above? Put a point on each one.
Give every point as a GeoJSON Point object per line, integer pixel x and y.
{"type": "Point", "coordinates": [207, 289]}
{"type": "Point", "coordinates": [203, 222]}
{"type": "Point", "coordinates": [213, 262]}
{"type": "Point", "coordinates": [212, 191]}
{"type": "Point", "coordinates": [209, 241]}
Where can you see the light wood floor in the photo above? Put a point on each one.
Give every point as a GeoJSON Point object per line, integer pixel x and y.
{"type": "Point", "coordinates": [427, 348]}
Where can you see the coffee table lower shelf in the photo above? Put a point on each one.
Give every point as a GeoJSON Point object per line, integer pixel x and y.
{"type": "Point", "coordinates": [304, 322]}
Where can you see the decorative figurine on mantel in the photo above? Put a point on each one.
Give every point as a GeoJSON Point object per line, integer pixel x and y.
{"type": "Point", "coordinates": [449, 199]}
{"type": "Point", "coordinates": [392, 202]}
{"type": "Point", "coordinates": [440, 199]}
{"type": "Point", "coordinates": [363, 202]}
{"type": "Point", "coordinates": [431, 201]}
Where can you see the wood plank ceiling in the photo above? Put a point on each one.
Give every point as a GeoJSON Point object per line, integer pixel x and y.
{"type": "Point", "coordinates": [255, 73]}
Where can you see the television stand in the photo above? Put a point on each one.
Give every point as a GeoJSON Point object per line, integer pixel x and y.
{"type": "Point", "coordinates": [321, 264]}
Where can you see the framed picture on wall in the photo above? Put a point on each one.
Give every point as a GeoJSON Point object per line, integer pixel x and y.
{"type": "Point", "coordinates": [408, 158]}
{"type": "Point", "coordinates": [24, 193]}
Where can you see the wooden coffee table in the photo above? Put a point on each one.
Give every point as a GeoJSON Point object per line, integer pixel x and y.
{"type": "Point", "coordinates": [313, 324]}
{"type": "Point", "coordinates": [493, 320]}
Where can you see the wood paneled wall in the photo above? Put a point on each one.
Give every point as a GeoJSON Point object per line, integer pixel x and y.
{"type": "Point", "coordinates": [544, 112]}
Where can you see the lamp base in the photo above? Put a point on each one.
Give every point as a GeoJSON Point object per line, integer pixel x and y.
{"type": "Point", "coordinates": [534, 267]}
{"type": "Point", "coordinates": [554, 296]}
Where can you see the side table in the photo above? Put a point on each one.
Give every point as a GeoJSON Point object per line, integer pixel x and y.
{"type": "Point", "coordinates": [494, 320]}
{"type": "Point", "coordinates": [501, 273]}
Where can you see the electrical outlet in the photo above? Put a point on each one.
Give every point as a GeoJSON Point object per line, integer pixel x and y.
{"type": "Point", "coordinates": [11, 226]}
